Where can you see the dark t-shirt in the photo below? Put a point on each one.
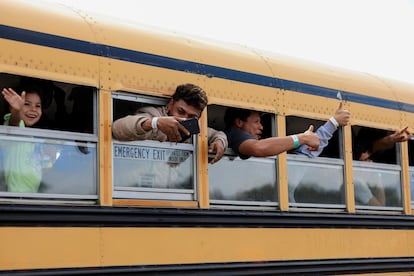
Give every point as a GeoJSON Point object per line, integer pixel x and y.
{"type": "Point", "coordinates": [236, 137]}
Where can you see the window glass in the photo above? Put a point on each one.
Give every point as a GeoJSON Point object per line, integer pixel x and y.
{"type": "Point", "coordinates": [411, 164]}
{"type": "Point", "coordinates": [315, 182]}
{"type": "Point", "coordinates": [376, 185]}
{"type": "Point", "coordinates": [145, 170]}
{"type": "Point", "coordinates": [62, 167]}
{"type": "Point", "coordinates": [243, 182]}
{"type": "Point", "coordinates": [412, 186]}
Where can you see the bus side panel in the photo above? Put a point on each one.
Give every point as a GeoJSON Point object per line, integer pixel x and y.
{"type": "Point", "coordinates": [44, 247]}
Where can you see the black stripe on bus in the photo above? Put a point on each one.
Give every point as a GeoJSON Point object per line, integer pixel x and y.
{"type": "Point", "coordinates": [96, 216]}
{"type": "Point", "coordinates": [285, 268]}
{"type": "Point", "coordinates": [90, 48]}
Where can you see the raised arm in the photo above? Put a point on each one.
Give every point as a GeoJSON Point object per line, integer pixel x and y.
{"type": "Point", "coordinates": [326, 131]}
{"type": "Point", "coordinates": [388, 142]}
{"type": "Point", "coordinates": [276, 145]}
{"type": "Point", "coordinates": [16, 103]}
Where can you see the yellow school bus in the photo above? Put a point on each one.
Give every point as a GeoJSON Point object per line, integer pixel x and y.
{"type": "Point", "coordinates": [149, 208]}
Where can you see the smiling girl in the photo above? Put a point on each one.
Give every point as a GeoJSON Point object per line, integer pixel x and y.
{"type": "Point", "coordinates": [22, 166]}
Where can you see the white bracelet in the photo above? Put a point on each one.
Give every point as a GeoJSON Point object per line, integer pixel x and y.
{"type": "Point", "coordinates": [334, 122]}
{"type": "Point", "coordinates": [296, 142]}
{"type": "Point", "coordinates": [154, 122]}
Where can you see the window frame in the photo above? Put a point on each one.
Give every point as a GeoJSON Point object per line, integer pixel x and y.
{"type": "Point", "coordinates": [142, 193]}
{"type": "Point", "coordinates": [271, 119]}
{"type": "Point", "coordinates": [57, 137]}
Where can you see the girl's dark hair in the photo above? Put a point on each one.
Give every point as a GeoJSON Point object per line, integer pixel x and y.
{"type": "Point", "coordinates": [31, 85]}
{"type": "Point", "coordinates": [192, 94]}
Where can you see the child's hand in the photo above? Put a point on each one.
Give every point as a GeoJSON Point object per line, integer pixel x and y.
{"type": "Point", "coordinates": [15, 100]}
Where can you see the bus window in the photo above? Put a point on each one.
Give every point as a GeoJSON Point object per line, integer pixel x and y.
{"type": "Point", "coordinates": [61, 146]}
{"type": "Point", "coordinates": [315, 182]}
{"type": "Point", "coordinates": [377, 176]}
{"type": "Point", "coordinates": [233, 182]}
{"type": "Point", "coordinates": [151, 169]}
{"type": "Point", "coordinates": [411, 164]}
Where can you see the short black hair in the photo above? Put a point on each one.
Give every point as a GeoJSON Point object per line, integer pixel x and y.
{"type": "Point", "coordinates": [233, 113]}
{"type": "Point", "coordinates": [192, 94]}
{"type": "Point", "coordinates": [31, 89]}
{"type": "Point", "coordinates": [36, 86]}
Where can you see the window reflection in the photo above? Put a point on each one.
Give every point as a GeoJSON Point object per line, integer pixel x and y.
{"type": "Point", "coordinates": [74, 171]}
{"type": "Point", "coordinates": [315, 182]}
{"type": "Point", "coordinates": [252, 180]}
{"type": "Point", "coordinates": [376, 186]}
{"type": "Point", "coordinates": [411, 164]}
{"type": "Point", "coordinates": [53, 167]}
{"type": "Point", "coordinates": [144, 168]}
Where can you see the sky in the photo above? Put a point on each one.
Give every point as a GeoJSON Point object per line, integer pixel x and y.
{"type": "Point", "coordinates": [371, 36]}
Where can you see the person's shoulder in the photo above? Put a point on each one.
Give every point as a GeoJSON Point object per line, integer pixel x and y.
{"type": "Point", "coordinates": [152, 110]}
{"type": "Point", "coordinates": [213, 131]}
{"type": "Point", "coordinates": [234, 131]}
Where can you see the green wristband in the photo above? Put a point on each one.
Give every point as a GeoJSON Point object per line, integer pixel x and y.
{"type": "Point", "coordinates": [296, 142]}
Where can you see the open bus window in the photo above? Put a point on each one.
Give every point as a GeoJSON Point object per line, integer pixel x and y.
{"type": "Point", "coordinates": [367, 145]}
{"type": "Point", "coordinates": [376, 170]}
{"type": "Point", "coordinates": [411, 164]}
{"type": "Point", "coordinates": [65, 106]}
{"type": "Point", "coordinates": [150, 169]}
{"type": "Point", "coordinates": [315, 182]}
{"type": "Point", "coordinates": [60, 147]}
{"type": "Point", "coordinates": [233, 181]}
{"type": "Point", "coordinates": [296, 125]}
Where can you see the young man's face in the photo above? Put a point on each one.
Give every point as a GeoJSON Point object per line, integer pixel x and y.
{"type": "Point", "coordinates": [31, 110]}
{"type": "Point", "coordinates": [252, 125]}
{"type": "Point", "coordinates": [183, 110]}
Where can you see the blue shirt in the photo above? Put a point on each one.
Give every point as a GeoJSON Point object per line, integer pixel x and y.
{"type": "Point", "coordinates": [235, 137]}
{"type": "Point", "coordinates": [325, 133]}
